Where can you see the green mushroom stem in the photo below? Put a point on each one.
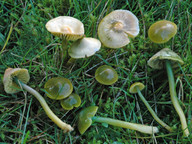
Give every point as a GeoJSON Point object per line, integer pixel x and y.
{"type": "Point", "coordinates": [174, 98]}
{"type": "Point", "coordinates": [169, 59]}
{"type": "Point", "coordinates": [64, 53]}
{"type": "Point", "coordinates": [87, 115]}
{"type": "Point", "coordinates": [128, 125]}
{"type": "Point", "coordinates": [50, 114]}
{"type": "Point", "coordinates": [152, 111]}
{"type": "Point", "coordinates": [64, 44]}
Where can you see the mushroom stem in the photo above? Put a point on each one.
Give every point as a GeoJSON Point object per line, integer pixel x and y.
{"type": "Point", "coordinates": [64, 49]}
{"type": "Point", "coordinates": [174, 98]}
{"type": "Point", "coordinates": [48, 111]}
{"type": "Point", "coordinates": [153, 112]}
{"type": "Point", "coordinates": [133, 126]}
{"type": "Point", "coordinates": [64, 44]}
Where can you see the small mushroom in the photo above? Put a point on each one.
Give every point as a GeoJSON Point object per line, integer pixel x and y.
{"type": "Point", "coordinates": [87, 115]}
{"type": "Point", "coordinates": [73, 100]}
{"type": "Point", "coordinates": [115, 29]}
{"type": "Point", "coordinates": [162, 31]}
{"type": "Point", "coordinates": [15, 79]}
{"type": "Point", "coordinates": [10, 86]}
{"type": "Point", "coordinates": [84, 47]}
{"type": "Point", "coordinates": [137, 87]}
{"type": "Point", "coordinates": [67, 28]}
{"type": "Point", "coordinates": [58, 88]}
{"type": "Point", "coordinates": [106, 75]}
{"type": "Point", "coordinates": [170, 59]}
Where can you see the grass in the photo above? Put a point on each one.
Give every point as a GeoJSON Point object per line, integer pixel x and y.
{"type": "Point", "coordinates": [26, 43]}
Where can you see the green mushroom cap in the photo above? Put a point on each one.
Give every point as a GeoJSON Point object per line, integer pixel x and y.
{"type": "Point", "coordinates": [85, 118]}
{"type": "Point", "coordinates": [106, 75]}
{"type": "Point", "coordinates": [157, 61]}
{"type": "Point", "coordinates": [134, 86]}
{"type": "Point", "coordinates": [58, 88]}
{"type": "Point", "coordinates": [73, 100]}
{"type": "Point", "coordinates": [162, 31]}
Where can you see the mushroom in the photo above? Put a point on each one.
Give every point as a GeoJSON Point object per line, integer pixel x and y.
{"type": "Point", "coordinates": [87, 115]}
{"type": "Point", "coordinates": [106, 75]}
{"type": "Point", "coordinates": [84, 47]}
{"type": "Point", "coordinates": [15, 79]}
{"type": "Point", "coordinates": [137, 87]}
{"type": "Point", "coordinates": [10, 86]}
{"type": "Point", "coordinates": [162, 31]}
{"type": "Point", "coordinates": [170, 59]}
{"type": "Point", "coordinates": [115, 29]}
{"type": "Point", "coordinates": [58, 88]}
{"type": "Point", "coordinates": [73, 100]}
{"type": "Point", "coordinates": [67, 28]}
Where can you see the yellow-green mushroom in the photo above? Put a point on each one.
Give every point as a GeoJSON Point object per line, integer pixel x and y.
{"type": "Point", "coordinates": [87, 116]}
{"type": "Point", "coordinates": [116, 28]}
{"type": "Point", "coordinates": [162, 31]}
{"type": "Point", "coordinates": [73, 100]}
{"type": "Point", "coordinates": [169, 59]}
{"type": "Point", "coordinates": [106, 75]}
{"type": "Point", "coordinates": [16, 79]}
{"type": "Point", "coordinates": [58, 88]}
{"type": "Point", "coordinates": [137, 87]}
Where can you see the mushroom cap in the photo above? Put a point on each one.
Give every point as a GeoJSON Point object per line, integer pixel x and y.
{"type": "Point", "coordinates": [162, 31]}
{"type": "Point", "coordinates": [85, 118]}
{"type": "Point", "coordinates": [9, 85]}
{"type": "Point", "coordinates": [115, 29]}
{"type": "Point", "coordinates": [73, 100]}
{"type": "Point", "coordinates": [157, 61]}
{"type": "Point", "coordinates": [106, 75]}
{"type": "Point", "coordinates": [84, 47]}
{"type": "Point", "coordinates": [58, 88]}
{"type": "Point", "coordinates": [134, 86]}
{"type": "Point", "coordinates": [66, 27]}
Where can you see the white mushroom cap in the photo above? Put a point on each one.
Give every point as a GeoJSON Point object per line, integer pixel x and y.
{"type": "Point", "coordinates": [9, 85]}
{"type": "Point", "coordinates": [115, 29]}
{"type": "Point", "coordinates": [66, 27]}
{"type": "Point", "coordinates": [84, 47]}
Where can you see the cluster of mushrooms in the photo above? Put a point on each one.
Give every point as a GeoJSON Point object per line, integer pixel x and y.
{"type": "Point", "coordinates": [114, 31]}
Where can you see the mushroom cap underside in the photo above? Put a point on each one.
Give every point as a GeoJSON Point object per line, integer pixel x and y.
{"type": "Point", "coordinates": [9, 85]}
{"type": "Point", "coordinates": [135, 86]}
{"type": "Point", "coordinates": [85, 118]}
{"type": "Point", "coordinates": [157, 61]}
{"type": "Point", "coordinates": [66, 27]}
{"type": "Point", "coordinates": [115, 28]}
